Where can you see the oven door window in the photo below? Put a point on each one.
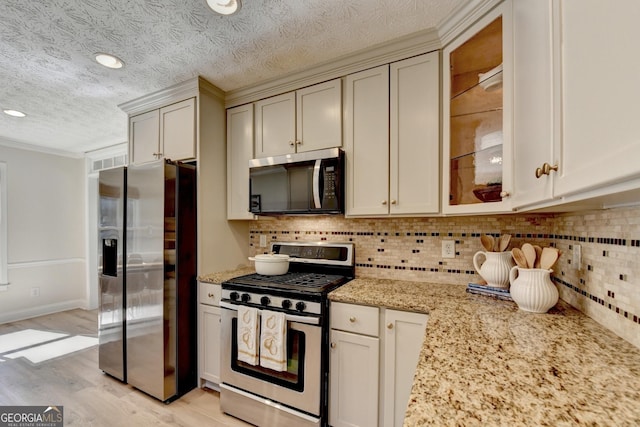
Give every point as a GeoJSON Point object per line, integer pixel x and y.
{"type": "Point", "coordinates": [292, 378]}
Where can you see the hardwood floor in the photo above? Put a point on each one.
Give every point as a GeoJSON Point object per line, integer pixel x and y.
{"type": "Point", "coordinates": [89, 397]}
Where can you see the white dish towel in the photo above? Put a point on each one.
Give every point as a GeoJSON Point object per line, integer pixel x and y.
{"type": "Point", "coordinates": [273, 340]}
{"type": "Point", "coordinates": [248, 334]}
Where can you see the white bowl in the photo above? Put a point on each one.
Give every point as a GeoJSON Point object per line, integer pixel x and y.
{"type": "Point", "coordinates": [271, 264]}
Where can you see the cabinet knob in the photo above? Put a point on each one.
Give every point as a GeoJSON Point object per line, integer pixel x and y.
{"type": "Point", "coordinates": [384, 202]}
{"type": "Point", "coordinates": [333, 345]}
{"type": "Point", "coordinates": [393, 202]}
{"type": "Point", "coordinates": [545, 169]}
{"type": "Point", "coordinates": [504, 194]}
{"type": "Point", "coordinates": [210, 295]}
{"type": "Point", "coordinates": [298, 142]}
{"type": "Point", "coordinates": [352, 319]}
{"type": "Point", "coordinates": [390, 326]}
{"type": "Point", "coordinates": [291, 143]}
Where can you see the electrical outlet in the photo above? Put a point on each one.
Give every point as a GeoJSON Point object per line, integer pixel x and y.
{"type": "Point", "coordinates": [263, 240]}
{"type": "Point", "coordinates": [34, 292]}
{"type": "Point", "coordinates": [448, 249]}
{"type": "Point", "coordinates": [577, 257]}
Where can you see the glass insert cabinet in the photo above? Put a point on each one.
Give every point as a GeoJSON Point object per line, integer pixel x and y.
{"type": "Point", "coordinates": [476, 131]}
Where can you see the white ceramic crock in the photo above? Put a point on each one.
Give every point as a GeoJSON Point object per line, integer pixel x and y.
{"type": "Point", "coordinates": [532, 289]}
{"type": "Point", "coordinates": [495, 268]}
{"type": "Point", "coordinates": [271, 264]}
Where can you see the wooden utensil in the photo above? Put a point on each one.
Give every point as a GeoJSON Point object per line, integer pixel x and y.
{"type": "Point", "coordinates": [505, 239]}
{"type": "Point", "coordinates": [548, 258]}
{"type": "Point", "coordinates": [530, 254]}
{"type": "Point", "coordinates": [519, 258]}
{"type": "Point", "coordinates": [487, 242]}
{"type": "Point", "coordinates": [538, 254]}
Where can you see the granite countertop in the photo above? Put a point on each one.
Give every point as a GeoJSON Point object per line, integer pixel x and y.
{"type": "Point", "coordinates": [485, 362]}
{"type": "Point", "coordinates": [223, 276]}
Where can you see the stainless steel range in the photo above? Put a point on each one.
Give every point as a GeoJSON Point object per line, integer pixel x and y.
{"type": "Point", "coordinates": [293, 393]}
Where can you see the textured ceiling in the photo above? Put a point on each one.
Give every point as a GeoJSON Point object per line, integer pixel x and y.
{"type": "Point", "coordinates": [47, 49]}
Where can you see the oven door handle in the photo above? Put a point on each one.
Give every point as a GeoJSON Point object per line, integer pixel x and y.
{"type": "Point", "coordinates": [290, 317]}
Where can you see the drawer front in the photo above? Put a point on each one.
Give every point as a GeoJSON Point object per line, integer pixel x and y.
{"type": "Point", "coordinates": [209, 293]}
{"type": "Point", "coordinates": [359, 319]}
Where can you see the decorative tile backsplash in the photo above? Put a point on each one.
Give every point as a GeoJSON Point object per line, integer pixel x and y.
{"type": "Point", "coordinates": [606, 286]}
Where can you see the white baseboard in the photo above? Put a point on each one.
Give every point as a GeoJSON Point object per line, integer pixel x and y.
{"type": "Point", "coordinates": [13, 316]}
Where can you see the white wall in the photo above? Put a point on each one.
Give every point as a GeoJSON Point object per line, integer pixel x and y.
{"type": "Point", "coordinates": [46, 233]}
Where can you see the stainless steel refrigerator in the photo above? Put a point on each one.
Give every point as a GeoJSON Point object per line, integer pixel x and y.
{"type": "Point", "coordinates": [157, 333]}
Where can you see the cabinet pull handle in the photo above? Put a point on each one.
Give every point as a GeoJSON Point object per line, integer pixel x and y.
{"type": "Point", "coordinates": [352, 319]}
{"type": "Point", "coordinates": [546, 169]}
{"type": "Point", "coordinates": [210, 295]}
{"type": "Point", "coordinates": [504, 194]}
{"type": "Point", "coordinates": [393, 202]}
{"type": "Point", "coordinates": [384, 202]}
{"type": "Point", "coordinates": [390, 326]}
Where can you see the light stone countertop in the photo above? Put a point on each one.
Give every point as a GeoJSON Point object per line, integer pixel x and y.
{"type": "Point", "coordinates": [223, 276]}
{"type": "Point", "coordinates": [484, 362]}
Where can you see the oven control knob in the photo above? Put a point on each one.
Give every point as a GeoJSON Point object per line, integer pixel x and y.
{"type": "Point", "coordinates": [234, 296]}
{"type": "Point", "coordinates": [265, 300]}
{"type": "Point", "coordinates": [286, 304]}
{"type": "Point", "coordinates": [300, 306]}
{"type": "Point", "coordinates": [246, 297]}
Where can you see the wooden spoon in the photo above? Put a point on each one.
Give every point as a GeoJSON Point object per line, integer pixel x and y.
{"type": "Point", "coordinates": [530, 254]}
{"type": "Point", "coordinates": [519, 258]}
{"type": "Point", "coordinates": [538, 254]}
{"type": "Point", "coordinates": [505, 239]}
{"type": "Point", "coordinates": [487, 242]}
{"type": "Point", "coordinates": [548, 258]}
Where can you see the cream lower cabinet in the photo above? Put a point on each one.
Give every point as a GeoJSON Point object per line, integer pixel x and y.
{"type": "Point", "coordinates": [392, 138]}
{"type": "Point", "coordinates": [371, 373]}
{"type": "Point", "coordinates": [168, 132]}
{"type": "Point", "coordinates": [209, 334]}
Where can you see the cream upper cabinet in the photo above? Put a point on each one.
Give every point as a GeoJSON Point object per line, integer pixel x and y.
{"type": "Point", "coordinates": [367, 142]}
{"type": "Point", "coordinates": [477, 122]}
{"type": "Point", "coordinates": [576, 90]}
{"type": "Point", "coordinates": [239, 152]}
{"type": "Point", "coordinates": [168, 132]}
{"type": "Point", "coordinates": [392, 138]}
{"type": "Point", "coordinates": [144, 137]}
{"type": "Point", "coordinates": [305, 120]}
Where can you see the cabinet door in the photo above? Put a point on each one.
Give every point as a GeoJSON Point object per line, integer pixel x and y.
{"type": "Point", "coordinates": [178, 130]}
{"type": "Point", "coordinates": [404, 337]}
{"type": "Point", "coordinates": [239, 152]}
{"type": "Point", "coordinates": [275, 129]}
{"type": "Point", "coordinates": [367, 142]}
{"type": "Point", "coordinates": [209, 343]}
{"type": "Point", "coordinates": [353, 380]}
{"type": "Point", "coordinates": [477, 105]}
{"type": "Point", "coordinates": [600, 89]}
{"type": "Point", "coordinates": [533, 108]}
{"type": "Point", "coordinates": [144, 137]}
{"type": "Point", "coordinates": [415, 135]}
{"type": "Point", "coordinates": [319, 116]}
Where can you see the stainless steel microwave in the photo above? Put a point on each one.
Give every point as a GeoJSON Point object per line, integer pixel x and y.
{"type": "Point", "coordinates": [302, 183]}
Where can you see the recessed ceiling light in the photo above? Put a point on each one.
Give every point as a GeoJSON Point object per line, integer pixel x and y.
{"type": "Point", "coordinates": [224, 7]}
{"type": "Point", "coordinates": [109, 61]}
{"type": "Point", "coordinates": [14, 113]}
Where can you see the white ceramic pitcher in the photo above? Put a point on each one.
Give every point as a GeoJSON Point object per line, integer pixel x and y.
{"type": "Point", "coordinates": [495, 268]}
{"type": "Point", "coordinates": [532, 289]}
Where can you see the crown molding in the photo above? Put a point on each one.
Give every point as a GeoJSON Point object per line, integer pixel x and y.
{"type": "Point", "coordinates": [18, 145]}
{"type": "Point", "coordinates": [383, 53]}
{"type": "Point", "coordinates": [462, 18]}
{"type": "Point", "coordinates": [176, 93]}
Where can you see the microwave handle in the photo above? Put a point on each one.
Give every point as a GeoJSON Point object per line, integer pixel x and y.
{"type": "Point", "coordinates": [316, 184]}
